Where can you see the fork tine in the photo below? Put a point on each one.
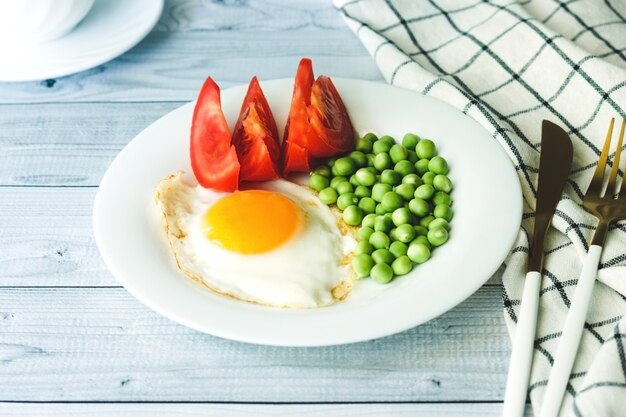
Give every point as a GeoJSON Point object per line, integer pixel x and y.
{"type": "Point", "coordinates": [595, 188]}
{"type": "Point", "coordinates": [618, 153]}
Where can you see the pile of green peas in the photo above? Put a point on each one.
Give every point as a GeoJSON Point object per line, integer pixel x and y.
{"type": "Point", "coordinates": [399, 195]}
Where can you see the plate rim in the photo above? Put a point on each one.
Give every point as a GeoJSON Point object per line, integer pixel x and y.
{"type": "Point", "coordinates": [506, 243]}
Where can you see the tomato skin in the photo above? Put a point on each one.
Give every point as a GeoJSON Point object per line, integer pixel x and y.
{"type": "Point", "coordinates": [318, 125]}
{"type": "Point", "coordinates": [295, 157]}
{"type": "Point", "coordinates": [213, 157]}
{"type": "Point", "coordinates": [255, 137]}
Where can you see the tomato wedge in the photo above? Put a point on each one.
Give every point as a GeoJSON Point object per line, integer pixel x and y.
{"type": "Point", "coordinates": [255, 137]}
{"type": "Point", "coordinates": [213, 157]}
{"type": "Point", "coordinates": [332, 129]}
{"type": "Point", "coordinates": [295, 157]}
{"type": "Point", "coordinates": [318, 125]}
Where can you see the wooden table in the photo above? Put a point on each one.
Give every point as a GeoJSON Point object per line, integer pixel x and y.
{"type": "Point", "coordinates": [73, 342]}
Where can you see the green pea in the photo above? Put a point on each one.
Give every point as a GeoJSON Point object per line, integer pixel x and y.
{"type": "Point", "coordinates": [404, 168]}
{"type": "Point", "coordinates": [363, 247]}
{"type": "Point", "coordinates": [402, 265]}
{"type": "Point", "coordinates": [412, 179]}
{"type": "Point", "coordinates": [398, 153]}
{"type": "Point", "coordinates": [379, 240]}
{"type": "Point", "coordinates": [410, 140]}
{"type": "Point", "coordinates": [382, 161]}
{"type": "Point", "coordinates": [364, 233]}
{"type": "Point", "coordinates": [390, 177]}
{"type": "Point", "coordinates": [379, 209]}
{"type": "Point", "coordinates": [391, 201]}
{"type": "Point", "coordinates": [424, 191]}
{"type": "Point", "coordinates": [419, 207]}
{"type": "Point", "coordinates": [362, 191]}
{"type": "Point", "coordinates": [369, 220]}
{"type": "Point", "coordinates": [400, 216]}
{"type": "Point", "coordinates": [437, 236]}
{"type": "Point", "coordinates": [418, 252]}
{"type": "Point", "coordinates": [392, 234]}
{"type": "Point", "coordinates": [359, 158]}
{"type": "Point", "coordinates": [438, 165]}
{"type": "Point", "coordinates": [362, 265]}
{"type": "Point", "coordinates": [365, 177]}
{"type": "Point", "coordinates": [322, 170]}
{"type": "Point", "coordinates": [328, 196]}
{"type": "Point", "coordinates": [439, 223]}
{"type": "Point", "coordinates": [336, 180]}
{"type": "Point", "coordinates": [382, 256]}
{"type": "Point", "coordinates": [422, 166]}
{"type": "Point", "coordinates": [443, 211]}
{"type": "Point", "coordinates": [370, 159]}
{"type": "Point", "coordinates": [345, 166]}
{"type": "Point", "coordinates": [354, 181]}
{"type": "Point", "coordinates": [425, 148]}
{"type": "Point", "coordinates": [405, 233]}
{"type": "Point", "coordinates": [318, 182]}
{"type": "Point", "coordinates": [371, 137]}
{"type": "Point", "coordinates": [347, 200]}
{"type": "Point", "coordinates": [412, 156]}
{"type": "Point", "coordinates": [442, 183]}
{"type": "Point", "coordinates": [353, 215]}
{"type": "Point", "coordinates": [428, 178]}
{"type": "Point", "coordinates": [388, 139]}
{"type": "Point", "coordinates": [381, 273]}
{"type": "Point", "coordinates": [398, 248]}
{"type": "Point", "coordinates": [420, 230]}
{"type": "Point", "coordinates": [344, 187]}
{"type": "Point", "coordinates": [368, 205]}
{"type": "Point", "coordinates": [364, 145]}
{"type": "Point", "coordinates": [381, 146]}
{"type": "Point", "coordinates": [441, 197]}
{"type": "Point", "coordinates": [379, 190]}
{"type": "Point", "coordinates": [406, 191]}
{"type": "Point", "coordinates": [422, 239]}
{"type": "Point", "coordinates": [383, 224]}
{"type": "Point", "coordinates": [425, 221]}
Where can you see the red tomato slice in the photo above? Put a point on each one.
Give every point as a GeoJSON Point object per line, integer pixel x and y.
{"type": "Point", "coordinates": [329, 119]}
{"type": "Point", "coordinates": [256, 137]}
{"type": "Point", "coordinates": [295, 156]}
{"type": "Point", "coordinates": [318, 121]}
{"type": "Point", "coordinates": [213, 158]}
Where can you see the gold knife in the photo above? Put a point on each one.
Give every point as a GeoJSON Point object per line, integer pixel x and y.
{"type": "Point", "coordinates": [555, 163]}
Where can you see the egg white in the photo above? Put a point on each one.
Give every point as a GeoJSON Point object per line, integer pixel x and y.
{"type": "Point", "coordinates": [311, 269]}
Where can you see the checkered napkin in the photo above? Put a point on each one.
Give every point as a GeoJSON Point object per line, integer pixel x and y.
{"type": "Point", "coordinates": [508, 65]}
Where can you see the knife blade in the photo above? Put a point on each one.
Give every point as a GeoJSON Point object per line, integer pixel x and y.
{"type": "Point", "coordinates": [555, 162]}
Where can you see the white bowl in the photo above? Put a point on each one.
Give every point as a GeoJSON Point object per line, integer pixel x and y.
{"type": "Point", "coordinates": [36, 21]}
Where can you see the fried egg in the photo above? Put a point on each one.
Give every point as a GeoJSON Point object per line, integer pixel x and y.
{"type": "Point", "coordinates": [276, 245]}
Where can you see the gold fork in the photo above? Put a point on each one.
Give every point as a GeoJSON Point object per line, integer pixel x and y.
{"type": "Point", "coordinates": [607, 208]}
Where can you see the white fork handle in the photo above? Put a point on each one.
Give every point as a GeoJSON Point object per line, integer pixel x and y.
{"type": "Point", "coordinates": [570, 338]}
{"type": "Point", "coordinates": [522, 354]}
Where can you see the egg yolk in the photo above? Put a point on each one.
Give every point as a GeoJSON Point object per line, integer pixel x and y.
{"type": "Point", "coordinates": [252, 221]}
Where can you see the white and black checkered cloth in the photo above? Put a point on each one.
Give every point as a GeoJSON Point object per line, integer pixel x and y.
{"type": "Point", "coordinates": [508, 65]}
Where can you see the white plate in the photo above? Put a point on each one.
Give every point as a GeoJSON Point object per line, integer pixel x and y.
{"type": "Point", "coordinates": [487, 204]}
{"type": "Point", "coordinates": [110, 28]}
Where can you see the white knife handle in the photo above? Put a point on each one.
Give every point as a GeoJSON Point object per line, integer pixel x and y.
{"type": "Point", "coordinates": [522, 354]}
{"type": "Point", "coordinates": [570, 338]}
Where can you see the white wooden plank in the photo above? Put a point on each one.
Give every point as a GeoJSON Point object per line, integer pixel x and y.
{"type": "Point", "coordinates": [100, 344]}
{"type": "Point", "coordinates": [231, 41]}
{"type": "Point", "coordinates": [68, 144]}
{"type": "Point", "coordinates": [46, 238]}
{"type": "Point", "coordinates": [240, 410]}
